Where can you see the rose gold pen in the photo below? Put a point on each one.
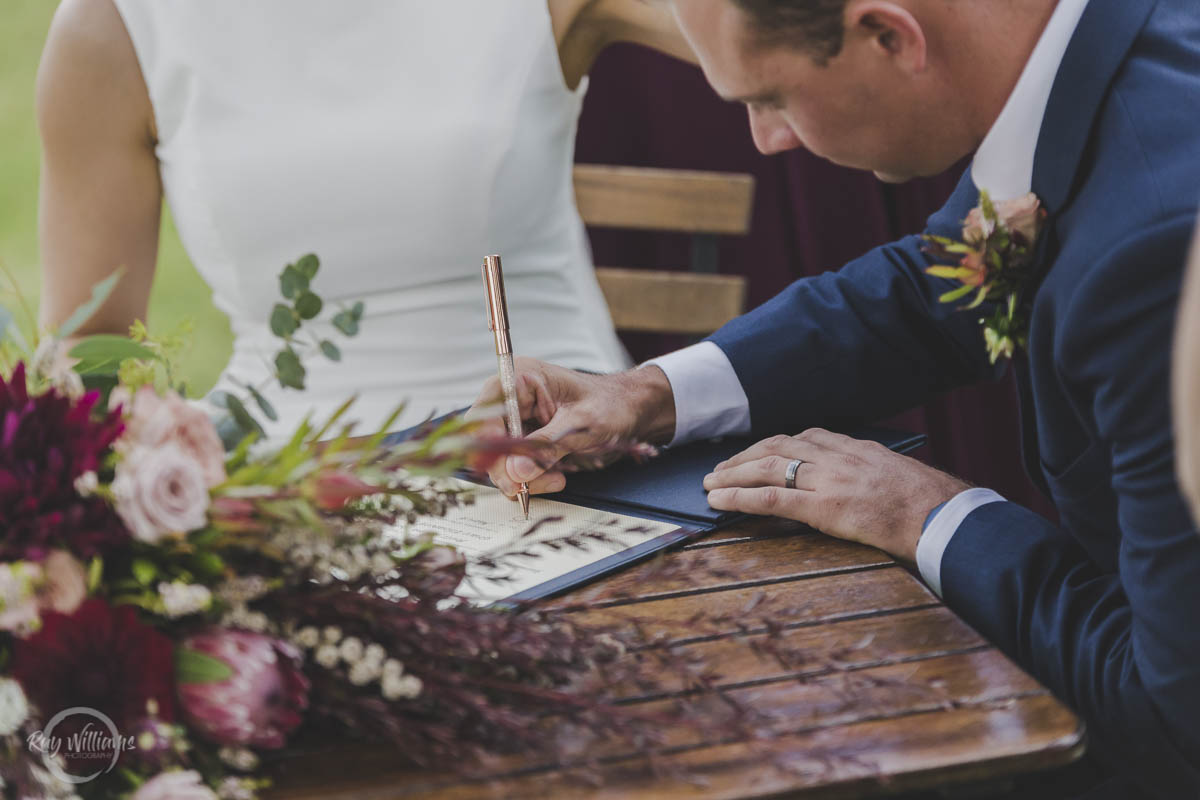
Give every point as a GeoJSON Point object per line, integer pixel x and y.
{"type": "Point", "coordinates": [497, 305]}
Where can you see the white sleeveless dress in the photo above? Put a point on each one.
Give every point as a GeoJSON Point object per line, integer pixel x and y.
{"type": "Point", "coordinates": [399, 140]}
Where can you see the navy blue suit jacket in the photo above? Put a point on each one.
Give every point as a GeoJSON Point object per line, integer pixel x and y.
{"type": "Point", "coordinates": [1103, 608]}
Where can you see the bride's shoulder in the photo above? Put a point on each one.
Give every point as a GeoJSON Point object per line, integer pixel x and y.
{"type": "Point", "coordinates": [89, 64]}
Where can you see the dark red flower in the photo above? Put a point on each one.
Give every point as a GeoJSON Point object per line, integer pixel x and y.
{"type": "Point", "coordinates": [101, 658]}
{"type": "Point", "coordinates": [46, 442]}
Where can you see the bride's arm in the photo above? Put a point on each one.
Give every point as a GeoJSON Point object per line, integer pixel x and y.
{"type": "Point", "coordinates": [583, 28]}
{"type": "Point", "coordinates": [100, 192]}
{"type": "Point", "coordinates": [1187, 383]}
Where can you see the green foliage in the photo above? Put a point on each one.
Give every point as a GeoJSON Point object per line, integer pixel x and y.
{"type": "Point", "coordinates": [81, 315]}
{"type": "Point", "coordinates": [287, 322]}
{"type": "Point", "coordinates": [192, 666]}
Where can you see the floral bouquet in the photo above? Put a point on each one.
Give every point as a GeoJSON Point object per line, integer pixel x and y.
{"type": "Point", "coordinates": [178, 599]}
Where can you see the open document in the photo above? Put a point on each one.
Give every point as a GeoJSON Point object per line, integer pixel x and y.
{"type": "Point", "coordinates": [559, 546]}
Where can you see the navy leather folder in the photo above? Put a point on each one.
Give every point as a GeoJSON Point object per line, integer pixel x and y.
{"type": "Point", "coordinates": [670, 487]}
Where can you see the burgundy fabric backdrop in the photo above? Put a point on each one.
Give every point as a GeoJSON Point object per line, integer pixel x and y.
{"type": "Point", "coordinates": [644, 109]}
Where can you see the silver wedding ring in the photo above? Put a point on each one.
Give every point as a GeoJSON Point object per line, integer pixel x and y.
{"type": "Point", "coordinates": [789, 477]}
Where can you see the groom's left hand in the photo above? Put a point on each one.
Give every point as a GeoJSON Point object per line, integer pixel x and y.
{"type": "Point", "coordinates": [848, 488]}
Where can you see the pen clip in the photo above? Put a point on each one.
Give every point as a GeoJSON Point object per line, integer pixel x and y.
{"type": "Point", "coordinates": [497, 303]}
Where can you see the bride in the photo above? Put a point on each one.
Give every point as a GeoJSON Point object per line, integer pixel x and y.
{"type": "Point", "coordinates": [400, 140]}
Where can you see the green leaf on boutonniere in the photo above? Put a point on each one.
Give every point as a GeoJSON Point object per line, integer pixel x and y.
{"type": "Point", "coordinates": [284, 321]}
{"type": "Point", "coordinates": [289, 370]}
{"type": "Point", "coordinates": [192, 666]}
{"type": "Point", "coordinates": [267, 409]}
{"type": "Point", "coordinates": [308, 265]}
{"type": "Point", "coordinates": [955, 294]}
{"type": "Point", "coordinates": [330, 350]}
{"type": "Point", "coordinates": [308, 305]}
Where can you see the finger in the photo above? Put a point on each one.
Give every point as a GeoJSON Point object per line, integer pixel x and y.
{"type": "Point", "coordinates": [828, 439]}
{"type": "Point", "coordinates": [560, 437]}
{"type": "Point", "coordinates": [766, 471]}
{"type": "Point", "coordinates": [767, 501]}
{"type": "Point", "coordinates": [788, 447]}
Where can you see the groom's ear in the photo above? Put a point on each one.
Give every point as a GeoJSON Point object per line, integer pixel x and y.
{"type": "Point", "coordinates": [890, 31]}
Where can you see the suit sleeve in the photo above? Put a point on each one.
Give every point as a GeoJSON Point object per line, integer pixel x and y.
{"type": "Point", "coordinates": [859, 344]}
{"type": "Point", "coordinates": [1122, 647]}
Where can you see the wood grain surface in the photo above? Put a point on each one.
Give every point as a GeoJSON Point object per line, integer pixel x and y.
{"type": "Point", "coordinates": [869, 684]}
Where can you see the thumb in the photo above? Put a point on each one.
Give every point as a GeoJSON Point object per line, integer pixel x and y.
{"type": "Point", "coordinates": [560, 437]}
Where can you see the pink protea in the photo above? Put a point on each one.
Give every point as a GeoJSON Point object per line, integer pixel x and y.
{"type": "Point", "coordinates": [260, 703]}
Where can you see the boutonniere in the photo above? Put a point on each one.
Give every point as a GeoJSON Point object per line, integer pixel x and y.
{"type": "Point", "coordinates": [994, 262]}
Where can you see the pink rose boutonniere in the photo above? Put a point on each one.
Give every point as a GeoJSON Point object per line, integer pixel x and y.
{"type": "Point", "coordinates": [994, 262]}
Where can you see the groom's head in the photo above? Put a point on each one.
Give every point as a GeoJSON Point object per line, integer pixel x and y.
{"type": "Point", "coordinates": [899, 87]}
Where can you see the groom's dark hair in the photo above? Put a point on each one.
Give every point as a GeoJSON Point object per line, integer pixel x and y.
{"type": "Point", "coordinates": [811, 25]}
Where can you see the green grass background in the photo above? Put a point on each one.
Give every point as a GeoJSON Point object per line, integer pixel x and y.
{"type": "Point", "coordinates": [178, 293]}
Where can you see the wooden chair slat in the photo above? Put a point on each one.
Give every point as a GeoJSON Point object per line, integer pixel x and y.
{"type": "Point", "coordinates": [664, 199]}
{"type": "Point", "coordinates": [670, 302]}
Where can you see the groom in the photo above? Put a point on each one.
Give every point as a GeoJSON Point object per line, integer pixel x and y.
{"type": "Point", "coordinates": [1094, 106]}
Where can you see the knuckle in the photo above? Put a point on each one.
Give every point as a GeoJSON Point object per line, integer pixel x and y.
{"type": "Point", "coordinates": [772, 498]}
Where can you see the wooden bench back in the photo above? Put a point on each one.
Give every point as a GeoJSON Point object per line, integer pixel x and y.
{"type": "Point", "coordinates": [703, 204]}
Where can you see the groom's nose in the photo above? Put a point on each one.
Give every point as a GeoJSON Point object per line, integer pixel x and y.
{"type": "Point", "coordinates": [771, 132]}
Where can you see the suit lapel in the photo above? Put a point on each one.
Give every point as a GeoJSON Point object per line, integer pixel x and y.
{"type": "Point", "coordinates": [1097, 50]}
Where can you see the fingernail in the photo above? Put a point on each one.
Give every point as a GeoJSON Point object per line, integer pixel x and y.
{"type": "Point", "coordinates": [522, 468]}
{"type": "Point", "coordinates": [708, 479]}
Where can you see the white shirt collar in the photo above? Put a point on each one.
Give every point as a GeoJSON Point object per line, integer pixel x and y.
{"type": "Point", "coordinates": [1004, 161]}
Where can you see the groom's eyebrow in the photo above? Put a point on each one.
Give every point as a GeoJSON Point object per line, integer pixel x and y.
{"type": "Point", "coordinates": [770, 97]}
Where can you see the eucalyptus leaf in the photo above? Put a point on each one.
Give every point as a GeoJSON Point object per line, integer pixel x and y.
{"type": "Point", "coordinates": [81, 315]}
{"type": "Point", "coordinates": [346, 322]}
{"type": "Point", "coordinates": [219, 398]}
{"type": "Point", "coordinates": [308, 265]}
{"type": "Point", "coordinates": [192, 666]}
{"type": "Point", "coordinates": [308, 305]}
{"type": "Point", "coordinates": [331, 350]}
{"type": "Point", "coordinates": [292, 282]}
{"type": "Point", "coordinates": [357, 310]}
{"type": "Point", "coordinates": [289, 370]}
{"type": "Point", "coordinates": [265, 407]}
{"type": "Point", "coordinates": [242, 417]}
{"type": "Point", "coordinates": [283, 321]}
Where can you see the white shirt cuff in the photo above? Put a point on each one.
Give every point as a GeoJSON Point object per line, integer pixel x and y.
{"type": "Point", "coordinates": [709, 399]}
{"type": "Point", "coordinates": [941, 529]}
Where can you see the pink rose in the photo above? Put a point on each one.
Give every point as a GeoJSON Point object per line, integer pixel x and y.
{"type": "Point", "coordinates": [155, 421]}
{"type": "Point", "coordinates": [160, 491]}
{"type": "Point", "coordinates": [1022, 215]}
{"type": "Point", "coordinates": [66, 583]}
{"type": "Point", "coordinates": [175, 785]}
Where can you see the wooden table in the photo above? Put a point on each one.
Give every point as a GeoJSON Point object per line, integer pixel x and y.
{"type": "Point", "coordinates": [884, 689]}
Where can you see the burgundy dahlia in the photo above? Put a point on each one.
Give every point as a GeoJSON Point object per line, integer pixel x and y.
{"type": "Point", "coordinates": [260, 703]}
{"type": "Point", "coordinates": [101, 657]}
{"type": "Point", "coordinates": [47, 441]}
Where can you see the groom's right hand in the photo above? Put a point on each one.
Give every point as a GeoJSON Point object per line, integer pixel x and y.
{"type": "Point", "coordinates": [575, 414]}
